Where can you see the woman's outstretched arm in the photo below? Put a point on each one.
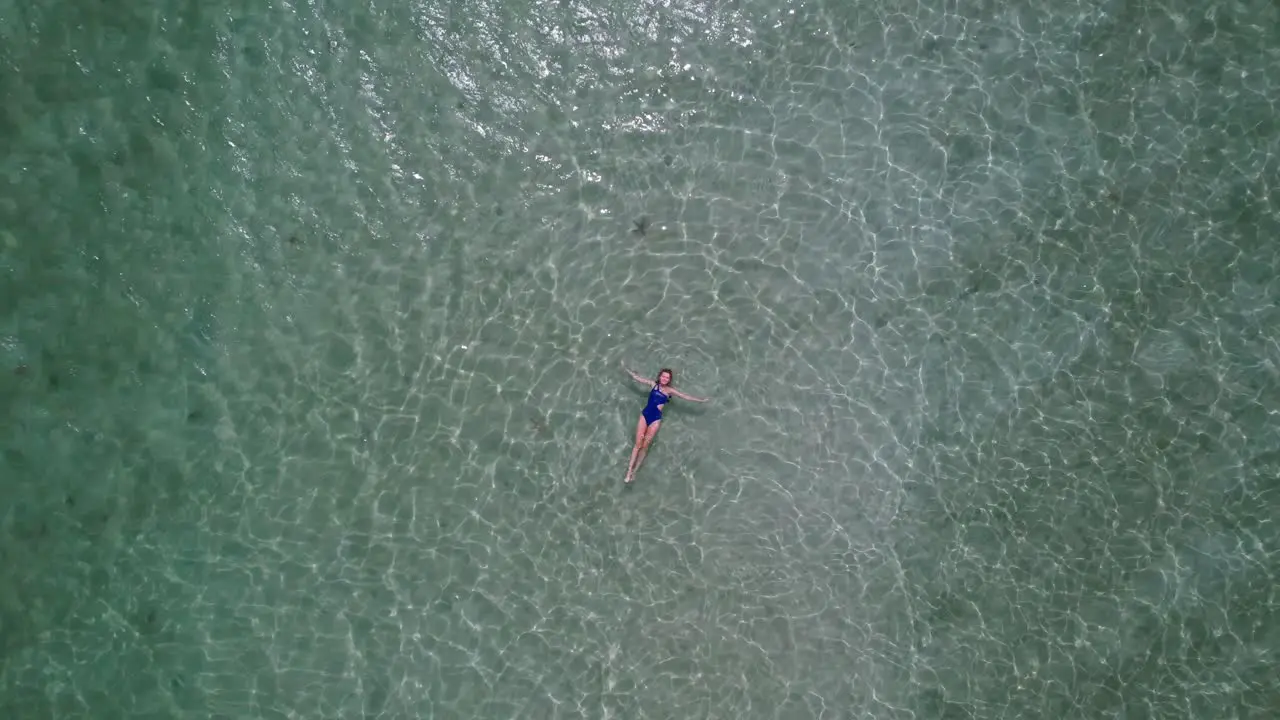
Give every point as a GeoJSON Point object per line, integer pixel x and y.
{"type": "Point", "coordinates": [638, 378]}
{"type": "Point", "coordinates": [690, 398]}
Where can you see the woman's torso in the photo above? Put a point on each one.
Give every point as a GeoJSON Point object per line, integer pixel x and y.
{"type": "Point", "coordinates": [658, 398]}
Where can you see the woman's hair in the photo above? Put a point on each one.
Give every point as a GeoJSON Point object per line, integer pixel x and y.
{"type": "Point", "coordinates": [668, 371]}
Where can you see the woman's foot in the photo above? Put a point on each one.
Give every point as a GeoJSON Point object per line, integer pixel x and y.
{"type": "Point", "coordinates": [628, 478]}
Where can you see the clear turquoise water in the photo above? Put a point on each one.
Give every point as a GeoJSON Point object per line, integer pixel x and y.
{"type": "Point", "coordinates": [311, 317]}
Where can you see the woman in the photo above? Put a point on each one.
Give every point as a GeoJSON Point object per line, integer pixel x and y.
{"type": "Point", "coordinates": [650, 420]}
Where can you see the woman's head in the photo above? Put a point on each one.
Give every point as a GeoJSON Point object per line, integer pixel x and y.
{"type": "Point", "coordinates": [665, 376]}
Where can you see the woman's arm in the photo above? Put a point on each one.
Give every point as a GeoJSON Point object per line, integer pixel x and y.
{"type": "Point", "coordinates": [690, 398]}
{"type": "Point", "coordinates": [638, 378]}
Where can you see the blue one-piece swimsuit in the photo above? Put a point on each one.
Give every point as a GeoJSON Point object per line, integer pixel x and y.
{"type": "Point", "coordinates": [653, 411]}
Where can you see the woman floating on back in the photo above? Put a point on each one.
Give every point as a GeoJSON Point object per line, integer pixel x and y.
{"type": "Point", "coordinates": [660, 393]}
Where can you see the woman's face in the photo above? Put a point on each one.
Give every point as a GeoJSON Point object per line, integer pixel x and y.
{"type": "Point", "coordinates": [664, 378]}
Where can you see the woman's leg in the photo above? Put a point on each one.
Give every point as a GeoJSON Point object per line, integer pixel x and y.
{"type": "Point", "coordinates": [643, 445]}
{"type": "Point", "coordinates": [640, 429]}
